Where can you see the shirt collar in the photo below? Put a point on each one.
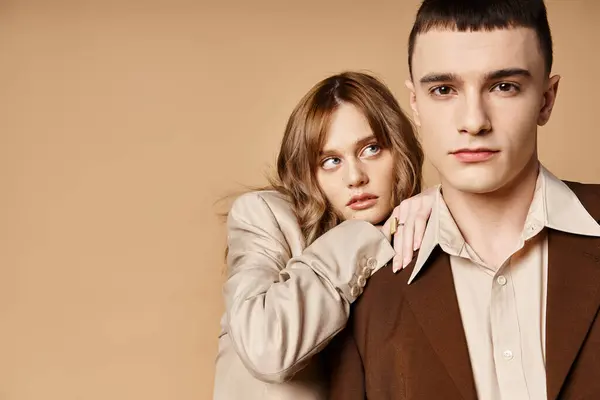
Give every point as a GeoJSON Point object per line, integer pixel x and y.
{"type": "Point", "coordinates": [554, 206]}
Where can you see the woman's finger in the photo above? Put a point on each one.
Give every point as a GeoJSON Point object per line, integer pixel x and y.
{"type": "Point", "coordinates": [408, 239]}
{"type": "Point", "coordinates": [401, 212]}
{"type": "Point", "coordinates": [422, 216]}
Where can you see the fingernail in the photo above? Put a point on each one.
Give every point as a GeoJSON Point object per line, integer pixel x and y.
{"type": "Point", "coordinates": [406, 262]}
{"type": "Point", "coordinates": [395, 268]}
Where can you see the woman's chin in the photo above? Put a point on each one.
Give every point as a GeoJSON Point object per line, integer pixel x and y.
{"type": "Point", "coordinates": [373, 215]}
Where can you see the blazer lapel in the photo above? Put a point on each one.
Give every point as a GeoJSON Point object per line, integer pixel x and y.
{"type": "Point", "coordinates": [573, 301]}
{"type": "Point", "coordinates": [432, 299]}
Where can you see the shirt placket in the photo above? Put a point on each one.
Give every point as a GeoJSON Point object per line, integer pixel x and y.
{"type": "Point", "coordinates": [506, 338]}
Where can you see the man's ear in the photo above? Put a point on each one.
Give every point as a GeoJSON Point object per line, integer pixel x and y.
{"type": "Point", "coordinates": [549, 100]}
{"type": "Point", "coordinates": [413, 102]}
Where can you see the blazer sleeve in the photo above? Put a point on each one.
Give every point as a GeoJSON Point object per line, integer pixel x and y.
{"type": "Point", "coordinates": [282, 310]}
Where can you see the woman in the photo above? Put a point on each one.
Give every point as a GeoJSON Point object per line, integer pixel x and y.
{"type": "Point", "coordinates": [301, 253]}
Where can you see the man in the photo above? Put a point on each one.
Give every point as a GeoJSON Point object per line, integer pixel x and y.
{"type": "Point", "coordinates": [502, 300]}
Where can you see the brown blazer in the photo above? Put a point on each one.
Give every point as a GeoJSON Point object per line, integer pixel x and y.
{"type": "Point", "coordinates": [407, 341]}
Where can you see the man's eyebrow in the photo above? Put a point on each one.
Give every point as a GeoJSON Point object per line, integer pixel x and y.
{"type": "Point", "coordinates": [437, 78]}
{"type": "Point", "coordinates": [494, 75]}
{"type": "Point", "coordinates": [508, 73]}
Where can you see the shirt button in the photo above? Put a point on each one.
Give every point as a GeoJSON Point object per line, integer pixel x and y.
{"type": "Point", "coordinates": [371, 263]}
{"type": "Point", "coordinates": [366, 272]}
{"type": "Point", "coordinates": [507, 354]}
{"type": "Point", "coordinates": [501, 280]}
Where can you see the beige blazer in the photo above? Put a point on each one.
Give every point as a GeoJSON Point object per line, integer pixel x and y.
{"type": "Point", "coordinates": [284, 301]}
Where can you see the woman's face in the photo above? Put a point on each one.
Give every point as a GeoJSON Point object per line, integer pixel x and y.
{"type": "Point", "coordinates": [354, 171]}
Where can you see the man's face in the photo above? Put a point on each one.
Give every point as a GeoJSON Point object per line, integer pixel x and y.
{"type": "Point", "coordinates": [478, 98]}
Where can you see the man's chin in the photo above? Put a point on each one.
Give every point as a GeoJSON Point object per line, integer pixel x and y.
{"type": "Point", "coordinates": [473, 182]}
{"type": "Point", "coordinates": [477, 187]}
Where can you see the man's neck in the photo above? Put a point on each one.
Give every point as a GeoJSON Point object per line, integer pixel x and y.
{"type": "Point", "coordinates": [492, 223]}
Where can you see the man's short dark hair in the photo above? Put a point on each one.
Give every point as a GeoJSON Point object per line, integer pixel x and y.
{"type": "Point", "coordinates": [479, 15]}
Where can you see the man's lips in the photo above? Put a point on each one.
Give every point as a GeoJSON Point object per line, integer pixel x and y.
{"type": "Point", "coordinates": [474, 155]}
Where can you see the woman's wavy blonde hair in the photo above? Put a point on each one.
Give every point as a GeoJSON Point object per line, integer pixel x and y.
{"type": "Point", "coordinates": [305, 136]}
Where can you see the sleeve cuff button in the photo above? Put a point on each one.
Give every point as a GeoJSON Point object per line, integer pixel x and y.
{"type": "Point", "coordinates": [361, 281]}
{"type": "Point", "coordinates": [371, 263]}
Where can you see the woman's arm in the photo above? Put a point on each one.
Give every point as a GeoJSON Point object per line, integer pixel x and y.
{"type": "Point", "coordinates": [283, 310]}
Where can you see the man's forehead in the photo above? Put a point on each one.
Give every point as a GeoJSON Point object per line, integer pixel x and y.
{"type": "Point", "coordinates": [451, 51]}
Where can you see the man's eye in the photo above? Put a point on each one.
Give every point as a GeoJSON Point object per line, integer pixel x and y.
{"type": "Point", "coordinates": [442, 90]}
{"type": "Point", "coordinates": [506, 87]}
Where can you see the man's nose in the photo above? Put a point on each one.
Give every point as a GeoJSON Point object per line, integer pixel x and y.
{"type": "Point", "coordinates": [473, 117]}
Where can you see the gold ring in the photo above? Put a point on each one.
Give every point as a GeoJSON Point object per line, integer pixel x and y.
{"type": "Point", "coordinates": [394, 226]}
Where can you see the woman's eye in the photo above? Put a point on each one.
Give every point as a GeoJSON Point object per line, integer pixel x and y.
{"type": "Point", "coordinates": [371, 150]}
{"type": "Point", "coordinates": [331, 163]}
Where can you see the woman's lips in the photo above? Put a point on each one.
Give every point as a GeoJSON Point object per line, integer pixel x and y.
{"type": "Point", "coordinates": [362, 202]}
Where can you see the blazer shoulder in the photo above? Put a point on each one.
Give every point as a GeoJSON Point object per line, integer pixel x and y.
{"type": "Point", "coordinates": [580, 187]}
{"type": "Point", "coordinates": [589, 195]}
{"type": "Point", "coordinates": [270, 211]}
{"type": "Point", "coordinates": [382, 289]}
{"type": "Point", "coordinates": [260, 203]}
{"type": "Point", "coordinates": [375, 314]}
{"type": "Point", "coordinates": [277, 202]}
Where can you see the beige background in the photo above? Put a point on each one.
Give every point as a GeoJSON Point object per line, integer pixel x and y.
{"type": "Point", "coordinates": [121, 123]}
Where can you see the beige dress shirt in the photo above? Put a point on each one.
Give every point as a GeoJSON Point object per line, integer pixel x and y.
{"type": "Point", "coordinates": [285, 301]}
{"type": "Point", "coordinates": [503, 309]}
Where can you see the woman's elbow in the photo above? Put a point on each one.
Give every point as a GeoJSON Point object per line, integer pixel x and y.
{"type": "Point", "coordinates": [267, 361]}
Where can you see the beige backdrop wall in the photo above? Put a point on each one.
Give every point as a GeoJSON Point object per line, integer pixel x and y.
{"type": "Point", "coordinates": [121, 122]}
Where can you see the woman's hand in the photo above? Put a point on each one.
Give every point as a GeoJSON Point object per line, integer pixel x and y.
{"type": "Point", "coordinates": [412, 214]}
